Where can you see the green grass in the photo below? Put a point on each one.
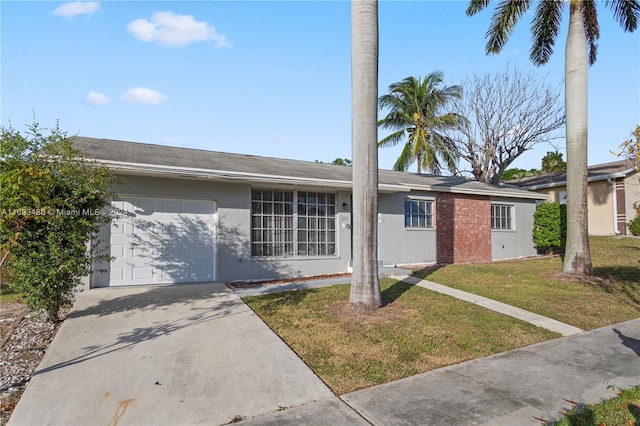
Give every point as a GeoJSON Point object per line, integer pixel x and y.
{"type": "Point", "coordinates": [622, 410]}
{"type": "Point", "coordinates": [417, 330]}
{"type": "Point", "coordinates": [7, 295]}
{"type": "Point", "coordinates": [537, 285]}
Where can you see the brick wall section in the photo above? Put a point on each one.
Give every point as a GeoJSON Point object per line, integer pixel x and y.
{"type": "Point", "coordinates": [463, 228]}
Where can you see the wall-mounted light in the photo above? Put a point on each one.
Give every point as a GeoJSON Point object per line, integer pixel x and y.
{"type": "Point", "coordinates": [345, 207]}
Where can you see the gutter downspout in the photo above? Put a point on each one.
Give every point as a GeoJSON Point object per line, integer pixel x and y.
{"type": "Point", "coordinates": [615, 205]}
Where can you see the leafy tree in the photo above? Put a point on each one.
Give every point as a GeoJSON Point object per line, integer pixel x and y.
{"type": "Point", "coordinates": [516, 173]}
{"type": "Point", "coordinates": [550, 226]}
{"type": "Point", "coordinates": [52, 208]}
{"type": "Point", "coordinates": [631, 148]}
{"type": "Point", "coordinates": [365, 286]}
{"type": "Point", "coordinates": [341, 162]}
{"type": "Point", "coordinates": [508, 113]}
{"type": "Point", "coordinates": [416, 111]}
{"type": "Point", "coordinates": [583, 32]}
{"type": "Point", "coordinates": [553, 162]}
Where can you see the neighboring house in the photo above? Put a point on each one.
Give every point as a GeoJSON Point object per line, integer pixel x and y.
{"type": "Point", "coordinates": [612, 190]}
{"type": "Point", "coordinates": [188, 215]}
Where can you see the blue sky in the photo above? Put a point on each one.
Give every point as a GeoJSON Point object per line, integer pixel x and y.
{"type": "Point", "coordinates": [266, 78]}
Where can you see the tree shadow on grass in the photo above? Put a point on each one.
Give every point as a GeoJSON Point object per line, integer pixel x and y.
{"type": "Point", "coordinates": [620, 280]}
{"type": "Point", "coordinates": [634, 409]}
{"type": "Point", "coordinates": [394, 292]}
{"type": "Point", "coordinates": [274, 301]}
{"type": "Point", "coordinates": [271, 302]}
{"type": "Point", "coordinates": [424, 273]}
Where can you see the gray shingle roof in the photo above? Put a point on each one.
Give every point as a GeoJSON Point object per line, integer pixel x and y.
{"type": "Point", "coordinates": [594, 173]}
{"type": "Point", "coordinates": [256, 168]}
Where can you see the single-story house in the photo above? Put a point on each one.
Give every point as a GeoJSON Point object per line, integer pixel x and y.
{"type": "Point", "coordinates": [612, 190]}
{"type": "Point", "coordinates": [189, 215]}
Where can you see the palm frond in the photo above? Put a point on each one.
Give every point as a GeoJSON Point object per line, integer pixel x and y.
{"type": "Point", "coordinates": [476, 6]}
{"type": "Point", "coordinates": [591, 28]}
{"type": "Point", "coordinates": [392, 139]}
{"type": "Point", "coordinates": [405, 159]}
{"type": "Point", "coordinates": [544, 29]}
{"type": "Point", "coordinates": [626, 12]}
{"type": "Point", "coordinates": [504, 20]}
{"type": "Point", "coordinates": [420, 104]}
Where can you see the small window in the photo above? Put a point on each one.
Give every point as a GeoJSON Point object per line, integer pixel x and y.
{"type": "Point", "coordinates": [501, 216]}
{"type": "Point", "coordinates": [418, 214]}
{"type": "Point", "coordinates": [562, 197]}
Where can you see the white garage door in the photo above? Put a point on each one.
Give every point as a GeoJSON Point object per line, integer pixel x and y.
{"type": "Point", "coordinates": [160, 241]}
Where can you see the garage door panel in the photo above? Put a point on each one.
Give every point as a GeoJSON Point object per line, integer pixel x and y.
{"type": "Point", "coordinates": [162, 241]}
{"type": "Point", "coordinates": [199, 272]}
{"type": "Point", "coordinates": [117, 274]}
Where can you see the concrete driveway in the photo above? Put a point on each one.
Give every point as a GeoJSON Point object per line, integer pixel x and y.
{"type": "Point", "coordinates": [184, 354]}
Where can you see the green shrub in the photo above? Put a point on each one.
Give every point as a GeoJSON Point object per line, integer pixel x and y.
{"type": "Point", "coordinates": [52, 207]}
{"type": "Point", "coordinates": [550, 227]}
{"type": "Point", "coordinates": [634, 226]}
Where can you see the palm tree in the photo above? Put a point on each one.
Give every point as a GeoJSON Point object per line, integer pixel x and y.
{"type": "Point", "coordinates": [583, 32]}
{"type": "Point", "coordinates": [553, 162]}
{"type": "Point", "coordinates": [365, 286]}
{"type": "Point", "coordinates": [416, 106]}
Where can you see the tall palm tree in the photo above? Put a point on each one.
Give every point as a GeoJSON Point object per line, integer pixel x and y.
{"type": "Point", "coordinates": [416, 111]}
{"type": "Point", "coordinates": [365, 286]}
{"type": "Point", "coordinates": [580, 51]}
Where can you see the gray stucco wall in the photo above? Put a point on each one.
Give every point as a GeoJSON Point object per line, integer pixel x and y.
{"type": "Point", "coordinates": [397, 244]}
{"type": "Point", "coordinates": [400, 245]}
{"type": "Point", "coordinates": [518, 242]}
{"type": "Point", "coordinates": [233, 260]}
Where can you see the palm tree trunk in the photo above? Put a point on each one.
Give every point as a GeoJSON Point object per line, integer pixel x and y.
{"type": "Point", "coordinates": [365, 287]}
{"type": "Point", "coordinates": [577, 259]}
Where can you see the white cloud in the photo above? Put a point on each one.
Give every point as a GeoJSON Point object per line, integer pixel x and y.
{"type": "Point", "coordinates": [72, 9]}
{"type": "Point", "coordinates": [143, 95]}
{"type": "Point", "coordinates": [175, 30]}
{"type": "Point", "coordinates": [96, 98]}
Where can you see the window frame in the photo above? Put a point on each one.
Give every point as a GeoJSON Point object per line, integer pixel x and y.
{"type": "Point", "coordinates": [304, 228]}
{"type": "Point", "coordinates": [509, 217]}
{"type": "Point", "coordinates": [429, 217]}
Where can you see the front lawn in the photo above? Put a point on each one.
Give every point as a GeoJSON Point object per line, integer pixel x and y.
{"type": "Point", "coordinates": [537, 285]}
{"type": "Point", "coordinates": [621, 410]}
{"type": "Point", "coordinates": [416, 331]}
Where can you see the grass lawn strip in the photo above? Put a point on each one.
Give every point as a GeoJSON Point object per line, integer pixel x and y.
{"type": "Point", "coordinates": [622, 410]}
{"type": "Point", "coordinates": [537, 285]}
{"type": "Point", "coordinates": [417, 330]}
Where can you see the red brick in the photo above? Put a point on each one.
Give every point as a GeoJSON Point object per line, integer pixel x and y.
{"type": "Point", "coordinates": [463, 228]}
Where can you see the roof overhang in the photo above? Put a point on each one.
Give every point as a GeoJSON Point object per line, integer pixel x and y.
{"type": "Point", "coordinates": [595, 178]}
{"type": "Point", "coordinates": [504, 193]}
{"type": "Point", "coordinates": [159, 170]}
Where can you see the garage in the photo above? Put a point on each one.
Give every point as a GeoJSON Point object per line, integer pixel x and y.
{"type": "Point", "coordinates": [159, 241]}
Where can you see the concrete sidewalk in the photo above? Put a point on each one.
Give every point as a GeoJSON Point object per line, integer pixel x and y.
{"type": "Point", "coordinates": [196, 355]}
{"type": "Point", "coordinates": [184, 354]}
{"type": "Point", "coordinates": [515, 388]}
